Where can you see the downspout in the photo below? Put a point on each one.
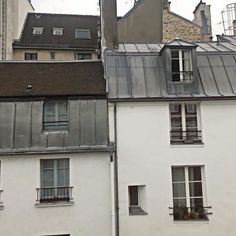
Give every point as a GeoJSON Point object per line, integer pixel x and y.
{"type": "Point", "coordinates": [116, 174]}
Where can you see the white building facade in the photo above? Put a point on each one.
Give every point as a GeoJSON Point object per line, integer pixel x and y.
{"type": "Point", "coordinates": [172, 120]}
{"type": "Point", "coordinates": [12, 18]}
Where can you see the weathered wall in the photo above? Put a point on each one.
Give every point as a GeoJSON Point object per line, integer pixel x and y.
{"type": "Point", "coordinates": [137, 25]}
{"type": "Point", "coordinates": [146, 156]}
{"type": "Point", "coordinates": [175, 26]}
{"type": "Point", "coordinates": [44, 55]}
{"type": "Point", "coordinates": [89, 214]}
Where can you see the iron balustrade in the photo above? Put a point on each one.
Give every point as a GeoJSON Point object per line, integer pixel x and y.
{"type": "Point", "coordinates": [53, 194]}
{"type": "Point", "coordinates": [55, 125]}
{"type": "Point", "coordinates": [188, 137]}
{"type": "Point", "coordinates": [182, 76]}
{"type": "Point", "coordinates": [191, 213]}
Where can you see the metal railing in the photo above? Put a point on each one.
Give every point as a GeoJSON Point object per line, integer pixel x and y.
{"type": "Point", "coordinates": [188, 137]}
{"type": "Point", "coordinates": [54, 194]}
{"type": "Point", "coordinates": [182, 76]}
{"type": "Point", "coordinates": [55, 125]}
{"type": "Point", "coordinates": [191, 213]}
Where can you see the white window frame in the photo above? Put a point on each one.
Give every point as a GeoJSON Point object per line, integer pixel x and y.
{"type": "Point", "coordinates": [181, 67]}
{"type": "Point", "coordinates": [38, 30]}
{"type": "Point", "coordinates": [82, 30]}
{"type": "Point", "coordinates": [183, 115]}
{"type": "Point", "coordinates": [187, 182]}
{"type": "Point", "coordinates": [57, 31]}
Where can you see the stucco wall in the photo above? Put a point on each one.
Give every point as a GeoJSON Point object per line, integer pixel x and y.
{"type": "Point", "coordinates": [177, 27]}
{"type": "Point", "coordinates": [63, 55]}
{"type": "Point", "coordinates": [145, 157]}
{"type": "Point", "coordinates": [89, 214]}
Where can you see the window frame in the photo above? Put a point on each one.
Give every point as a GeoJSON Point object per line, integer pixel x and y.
{"type": "Point", "coordinates": [82, 30]}
{"type": "Point", "coordinates": [78, 54]}
{"type": "Point", "coordinates": [31, 56]}
{"type": "Point", "coordinates": [57, 31]}
{"type": "Point", "coordinates": [52, 55]}
{"type": "Point", "coordinates": [181, 70]}
{"type": "Point", "coordinates": [56, 128]}
{"type": "Point", "coordinates": [187, 183]}
{"type": "Point", "coordinates": [183, 127]}
{"type": "Point", "coordinates": [37, 30]}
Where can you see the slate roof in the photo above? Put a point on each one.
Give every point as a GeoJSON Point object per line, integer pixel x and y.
{"type": "Point", "coordinates": [137, 71]}
{"type": "Point", "coordinates": [83, 78]}
{"type": "Point", "coordinates": [49, 41]}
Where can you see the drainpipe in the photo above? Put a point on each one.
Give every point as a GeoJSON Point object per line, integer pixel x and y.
{"type": "Point", "coordinates": [113, 211]}
{"type": "Point", "coordinates": [117, 220]}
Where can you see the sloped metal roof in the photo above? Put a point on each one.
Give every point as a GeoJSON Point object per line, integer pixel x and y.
{"type": "Point", "coordinates": [136, 71]}
{"type": "Point", "coordinates": [206, 47]}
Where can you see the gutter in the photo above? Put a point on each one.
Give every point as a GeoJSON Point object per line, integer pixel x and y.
{"type": "Point", "coordinates": [117, 219]}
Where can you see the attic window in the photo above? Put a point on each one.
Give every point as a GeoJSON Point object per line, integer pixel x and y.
{"type": "Point", "coordinates": [82, 34]}
{"type": "Point", "coordinates": [57, 31]}
{"type": "Point", "coordinates": [37, 30]}
{"type": "Point", "coordinates": [182, 68]}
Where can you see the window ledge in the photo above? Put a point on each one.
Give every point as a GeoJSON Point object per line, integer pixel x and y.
{"type": "Point", "coordinates": [200, 221]}
{"type": "Point", "coordinates": [55, 204]}
{"type": "Point", "coordinates": [136, 211]}
{"type": "Point", "coordinates": [186, 145]}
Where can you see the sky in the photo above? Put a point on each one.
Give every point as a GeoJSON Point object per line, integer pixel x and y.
{"type": "Point", "coordinates": [184, 8]}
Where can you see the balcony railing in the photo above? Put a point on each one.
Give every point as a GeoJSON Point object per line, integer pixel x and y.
{"type": "Point", "coordinates": [54, 194]}
{"type": "Point", "coordinates": [187, 137]}
{"type": "Point", "coordinates": [55, 125]}
{"type": "Point", "coordinates": [190, 213]}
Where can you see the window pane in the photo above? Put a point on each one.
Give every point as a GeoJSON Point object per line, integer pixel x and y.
{"type": "Point", "coordinates": [63, 163]}
{"type": "Point", "coordinates": [180, 202]}
{"type": "Point", "coordinates": [82, 34]}
{"type": "Point", "coordinates": [195, 173]}
{"type": "Point", "coordinates": [47, 178]}
{"type": "Point", "coordinates": [178, 174]}
{"type": "Point", "coordinates": [195, 189]}
{"type": "Point", "coordinates": [47, 164]}
{"type": "Point", "coordinates": [196, 202]}
{"type": "Point", "coordinates": [133, 195]}
{"type": "Point", "coordinates": [63, 177]}
{"type": "Point", "coordinates": [179, 190]}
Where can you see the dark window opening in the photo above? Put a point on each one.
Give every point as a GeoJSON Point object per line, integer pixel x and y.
{"type": "Point", "coordinates": [31, 56]}
{"type": "Point", "coordinates": [82, 56]}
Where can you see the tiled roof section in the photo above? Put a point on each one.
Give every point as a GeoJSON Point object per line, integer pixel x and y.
{"type": "Point", "coordinates": [141, 75]}
{"type": "Point", "coordinates": [52, 79]}
{"type": "Point", "coordinates": [66, 41]}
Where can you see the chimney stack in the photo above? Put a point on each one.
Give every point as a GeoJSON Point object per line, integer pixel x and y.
{"type": "Point", "coordinates": [202, 17]}
{"type": "Point", "coordinates": [109, 24]}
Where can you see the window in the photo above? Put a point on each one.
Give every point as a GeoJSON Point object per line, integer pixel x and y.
{"type": "Point", "coordinates": [55, 115]}
{"type": "Point", "coordinates": [29, 56]}
{"type": "Point", "coordinates": [182, 68]}
{"type": "Point", "coordinates": [82, 34]}
{"type": "Point", "coordinates": [184, 123]}
{"type": "Point", "coordinates": [188, 200]}
{"type": "Point", "coordinates": [57, 31]}
{"type": "Point", "coordinates": [54, 181]}
{"type": "Point", "coordinates": [37, 31]}
{"type": "Point", "coordinates": [137, 200]}
{"type": "Point", "coordinates": [52, 55]}
{"type": "Point", "coordinates": [84, 56]}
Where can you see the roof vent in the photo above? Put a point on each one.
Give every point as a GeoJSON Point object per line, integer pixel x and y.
{"type": "Point", "coordinates": [37, 16]}
{"type": "Point", "coordinates": [28, 88]}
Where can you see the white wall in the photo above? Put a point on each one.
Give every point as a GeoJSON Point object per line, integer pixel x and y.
{"type": "Point", "coordinates": [146, 156]}
{"type": "Point", "coordinates": [89, 215]}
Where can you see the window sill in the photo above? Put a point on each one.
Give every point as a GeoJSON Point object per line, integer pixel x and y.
{"type": "Point", "coordinates": [137, 211]}
{"type": "Point", "coordinates": [188, 145]}
{"type": "Point", "coordinates": [54, 204]}
{"type": "Point", "coordinates": [200, 221]}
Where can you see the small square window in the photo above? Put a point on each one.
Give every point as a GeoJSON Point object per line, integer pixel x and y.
{"type": "Point", "coordinates": [137, 200]}
{"type": "Point", "coordinates": [31, 56]}
{"type": "Point", "coordinates": [52, 55]}
{"type": "Point", "coordinates": [84, 56]}
{"type": "Point", "coordinates": [37, 30]}
{"type": "Point", "coordinates": [57, 31]}
{"type": "Point", "coordinates": [55, 115]}
{"type": "Point", "coordinates": [82, 34]}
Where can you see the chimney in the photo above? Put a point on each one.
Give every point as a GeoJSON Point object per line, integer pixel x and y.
{"type": "Point", "coordinates": [202, 17]}
{"type": "Point", "coordinates": [109, 24]}
{"type": "Point", "coordinates": [167, 5]}
{"type": "Point", "coordinates": [234, 27]}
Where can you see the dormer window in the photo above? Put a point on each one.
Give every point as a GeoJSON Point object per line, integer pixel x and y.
{"type": "Point", "coordinates": [37, 30]}
{"type": "Point", "coordinates": [182, 68]}
{"type": "Point", "coordinates": [57, 31]}
{"type": "Point", "coordinates": [82, 34]}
